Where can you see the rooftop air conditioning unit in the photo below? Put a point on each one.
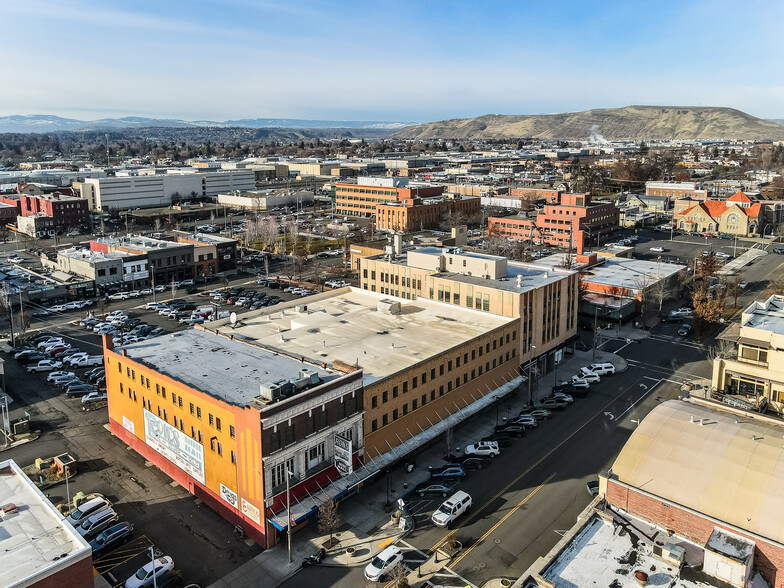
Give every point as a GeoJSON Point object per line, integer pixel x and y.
{"type": "Point", "coordinates": [301, 308]}
{"type": "Point", "coordinates": [312, 376]}
{"type": "Point", "coordinates": [270, 391]}
{"type": "Point", "coordinates": [669, 553]}
{"type": "Point", "coordinates": [388, 306]}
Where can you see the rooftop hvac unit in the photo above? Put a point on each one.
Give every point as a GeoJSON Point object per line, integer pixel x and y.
{"type": "Point", "coordinates": [388, 306]}
{"type": "Point", "coordinates": [669, 553]}
{"type": "Point", "coordinates": [301, 382]}
{"type": "Point", "coordinates": [310, 374]}
{"type": "Point", "coordinates": [270, 391]}
{"type": "Point", "coordinates": [301, 308]}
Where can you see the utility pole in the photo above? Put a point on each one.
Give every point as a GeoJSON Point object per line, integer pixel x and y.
{"type": "Point", "coordinates": [595, 330]}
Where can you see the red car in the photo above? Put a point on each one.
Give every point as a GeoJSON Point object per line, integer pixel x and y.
{"type": "Point", "coordinates": [58, 349]}
{"type": "Point", "coordinates": [710, 235]}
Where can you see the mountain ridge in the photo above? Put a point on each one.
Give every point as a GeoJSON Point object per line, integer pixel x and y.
{"type": "Point", "coordinates": [637, 122]}
{"type": "Point", "coordinates": [47, 123]}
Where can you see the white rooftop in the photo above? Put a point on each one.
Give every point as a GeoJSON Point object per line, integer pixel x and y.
{"type": "Point", "coordinates": [766, 316]}
{"type": "Point", "coordinates": [630, 273]}
{"type": "Point", "coordinates": [601, 556]}
{"type": "Point", "coordinates": [345, 325]}
{"type": "Point", "coordinates": [34, 541]}
{"type": "Point", "coordinates": [217, 365]}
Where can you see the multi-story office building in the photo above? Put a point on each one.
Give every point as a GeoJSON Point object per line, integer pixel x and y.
{"type": "Point", "coordinates": [751, 376]}
{"type": "Point", "coordinates": [415, 214]}
{"type": "Point", "coordinates": [140, 191]}
{"type": "Point", "coordinates": [361, 198]}
{"type": "Point", "coordinates": [542, 301]}
{"type": "Point", "coordinates": [66, 212]}
{"type": "Point", "coordinates": [212, 254]}
{"type": "Point", "coordinates": [574, 222]}
{"type": "Point", "coordinates": [230, 420]}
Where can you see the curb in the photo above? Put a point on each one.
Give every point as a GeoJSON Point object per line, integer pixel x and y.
{"type": "Point", "coordinates": [364, 560]}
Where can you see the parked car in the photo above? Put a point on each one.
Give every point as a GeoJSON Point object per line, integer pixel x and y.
{"type": "Point", "coordinates": [587, 376]}
{"type": "Point", "coordinates": [527, 421]}
{"type": "Point", "coordinates": [119, 296]}
{"type": "Point", "coordinates": [97, 523]}
{"type": "Point", "coordinates": [552, 404]}
{"type": "Point", "coordinates": [563, 396]}
{"type": "Point", "coordinates": [94, 397]}
{"type": "Point", "coordinates": [449, 471]}
{"type": "Point", "coordinates": [145, 575]}
{"type": "Point", "coordinates": [512, 429]}
{"type": "Point", "coordinates": [502, 439]}
{"type": "Point", "coordinates": [471, 462]}
{"type": "Point", "coordinates": [79, 390]}
{"type": "Point", "coordinates": [45, 365]}
{"type": "Point", "coordinates": [454, 506]}
{"type": "Point", "coordinates": [602, 369]}
{"type": "Point", "coordinates": [58, 374]}
{"type": "Point", "coordinates": [657, 249]}
{"type": "Point", "coordinates": [483, 449]}
{"type": "Point", "coordinates": [431, 487]}
{"type": "Point", "coordinates": [88, 508]}
{"type": "Point", "coordinates": [384, 563]}
{"type": "Point", "coordinates": [88, 361]}
{"type": "Point", "coordinates": [111, 538]}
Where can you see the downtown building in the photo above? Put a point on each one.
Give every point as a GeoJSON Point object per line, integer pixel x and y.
{"type": "Point", "coordinates": [333, 390]}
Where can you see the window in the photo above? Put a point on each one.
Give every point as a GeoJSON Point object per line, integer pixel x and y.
{"type": "Point", "coordinates": [449, 366]}
{"type": "Point", "coordinates": [374, 402]}
{"type": "Point", "coordinates": [374, 425]}
{"type": "Point", "coordinates": [384, 420]}
{"type": "Point", "coordinates": [198, 412]}
{"type": "Point", "coordinates": [414, 383]}
{"type": "Point", "coordinates": [315, 455]}
{"type": "Point", "coordinates": [193, 431]}
{"type": "Point", "coordinates": [233, 457]}
{"type": "Point", "coordinates": [441, 370]}
{"type": "Point", "coordinates": [200, 437]}
{"type": "Point", "coordinates": [174, 398]}
{"type": "Point", "coordinates": [158, 389]}
{"type": "Point", "coordinates": [212, 420]}
{"type": "Point", "coordinates": [433, 374]}
{"type": "Point", "coordinates": [424, 377]}
{"type": "Point", "coordinates": [231, 431]}
{"type": "Point", "coordinates": [163, 392]}
{"type": "Point", "coordinates": [394, 391]}
{"type": "Point", "coordinates": [405, 408]}
{"type": "Point", "coordinates": [165, 415]}
{"type": "Point", "coordinates": [394, 415]}
{"type": "Point", "coordinates": [280, 471]}
{"type": "Point", "coordinates": [405, 387]}
{"type": "Point", "coordinates": [220, 448]}
{"type": "Point", "coordinates": [274, 440]}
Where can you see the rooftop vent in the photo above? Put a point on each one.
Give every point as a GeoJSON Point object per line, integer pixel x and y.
{"type": "Point", "coordinates": [388, 306]}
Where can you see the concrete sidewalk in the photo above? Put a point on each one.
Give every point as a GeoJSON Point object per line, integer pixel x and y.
{"type": "Point", "coordinates": [366, 525]}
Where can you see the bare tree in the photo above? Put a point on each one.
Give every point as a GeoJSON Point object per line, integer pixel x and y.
{"type": "Point", "coordinates": [723, 349]}
{"type": "Point", "coordinates": [775, 287]}
{"type": "Point", "coordinates": [22, 322]}
{"type": "Point", "coordinates": [660, 291]}
{"type": "Point", "coordinates": [399, 576]}
{"type": "Point", "coordinates": [732, 287]}
{"type": "Point", "coordinates": [329, 518]}
{"type": "Point", "coordinates": [643, 284]}
{"type": "Point", "coordinates": [448, 437]}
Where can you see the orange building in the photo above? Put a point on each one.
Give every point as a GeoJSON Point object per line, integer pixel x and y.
{"type": "Point", "coordinates": [229, 421]}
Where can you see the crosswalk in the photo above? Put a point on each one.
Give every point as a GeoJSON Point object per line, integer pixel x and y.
{"type": "Point", "coordinates": [444, 578]}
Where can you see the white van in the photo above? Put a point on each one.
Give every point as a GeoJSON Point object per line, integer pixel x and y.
{"type": "Point", "coordinates": [453, 507]}
{"type": "Point", "coordinates": [87, 509]}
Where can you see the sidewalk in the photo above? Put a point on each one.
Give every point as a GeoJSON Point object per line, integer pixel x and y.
{"type": "Point", "coordinates": [365, 523]}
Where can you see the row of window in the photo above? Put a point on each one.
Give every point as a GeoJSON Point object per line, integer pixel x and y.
{"type": "Point", "coordinates": [415, 403]}
{"type": "Point", "coordinates": [286, 434]}
{"type": "Point", "coordinates": [447, 367]}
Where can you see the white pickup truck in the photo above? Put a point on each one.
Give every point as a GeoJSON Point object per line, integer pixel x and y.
{"type": "Point", "coordinates": [89, 361]}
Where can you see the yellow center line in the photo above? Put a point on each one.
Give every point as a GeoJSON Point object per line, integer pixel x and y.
{"type": "Point", "coordinates": [499, 523]}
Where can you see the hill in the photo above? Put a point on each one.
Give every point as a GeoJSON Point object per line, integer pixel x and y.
{"type": "Point", "coordinates": [631, 122]}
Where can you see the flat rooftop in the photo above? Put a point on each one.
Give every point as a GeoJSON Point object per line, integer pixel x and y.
{"type": "Point", "coordinates": [227, 369]}
{"type": "Point", "coordinates": [628, 273]}
{"type": "Point", "coordinates": [531, 277]}
{"type": "Point", "coordinates": [35, 540]}
{"type": "Point", "coordinates": [601, 556]}
{"type": "Point", "coordinates": [766, 316]}
{"type": "Point", "coordinates": [139, 242]}
{"type": "Point", "coordinates": [345, 325]}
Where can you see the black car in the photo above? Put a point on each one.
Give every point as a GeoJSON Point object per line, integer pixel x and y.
{"type": "Point", "coordinates": [502, 439]}
{"type": "Point", "coordinates": [111, 538]}
{"type": "Point", "coordinates": [34, 358]}
{"type": "Point", "coordinates": [685, 330]}
{"type": "Point", "coordinates": [191, 290]}
{"type": "Point", "coordinates": [433, 488]}
{"type": "Point", "coordinates": [672, 319]}
{"type": "Point", "coordinates": [473, 462]}
{"type": "Point", "coordinates": [511, 429]}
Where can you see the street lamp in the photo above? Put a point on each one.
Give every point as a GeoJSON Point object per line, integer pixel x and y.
{"type": "Point", "coordinates": [152, 555]}
{"type": "Point", "coordinates": [530, 375]}
{"type": "Point", "coordinates": [289, 474]}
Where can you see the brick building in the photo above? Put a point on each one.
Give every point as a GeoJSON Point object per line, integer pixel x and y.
{"type": "Point", "coordinates": [211, 254]}
{"type": "Point", "coordinates": [676, 190]}
{"type": "Point", "coordinates": [413, 214]}
{"type": "Point", "coordinates": [550, 195]}
{"type": "Point", "coordinates": [67, 212]}
{"type": "Point", "coordinates": [572, 223]}
{"type": "Point", "coordinates": [698, 468]}
{"type": "Point", "coordinates": [361, 198]}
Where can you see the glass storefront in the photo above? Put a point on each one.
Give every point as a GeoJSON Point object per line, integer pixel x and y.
{"type": "Point", "coordinates": [746, 387]}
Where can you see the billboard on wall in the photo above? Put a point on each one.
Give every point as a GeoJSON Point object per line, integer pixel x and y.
{"type": "Point", "coordinates": [343, 451]}
{"type": "Point", "coordinates": [184, 452]}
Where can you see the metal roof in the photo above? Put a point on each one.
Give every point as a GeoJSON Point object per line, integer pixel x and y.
{"type": "Point", "coordinates": [724, 464]}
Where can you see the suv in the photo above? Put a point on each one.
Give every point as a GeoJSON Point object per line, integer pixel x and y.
{"type": "Point", "coordinates": [384, 563]}
{"type": "Point", "coordinates": [450, 471]}
{"type": "Point", "coordinates": [483, 448]}
{"type": "Point", "coordinates": [602, 369]}
{"type": "Point", "coordinates": [453, 507]}
{"type": "Point", "coordinates": [87, 509]}
{"type": "Point", "coordinates": [511, 428]}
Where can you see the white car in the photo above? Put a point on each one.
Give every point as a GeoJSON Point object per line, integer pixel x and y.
{"type": "Point", "coordinates": [45, 365]}
{"type": "Point", "coordinates": [146, 292]}
{"type": "Point", "coordinates": [154, 305]}
{"type": "Point", "coordinates": [145, 575]}
{"type": "Point", "coordinates": [722, 255]}
{"type": "Point", "coordinates": [119, 296]}
{"type": "Point", "coordinates": [159, 288]}
{"type": "Point", "coordinates": [483, 448]}
{"type": "Point", "coordinates": [657, 249]}
{"type": "Point", "coordinates": [57, 308]}
{"type": "Point", "coordinates": [452, 508]}
{"type": "Point", "coordinates": [97, 522]}
{"type": "Point", "coordinates": [588, 376]}
{"type": "Point", "coordinates": [188, 282]}
{"type": "Point", "coordinates": [681, 312]}
{"type": "Point", "coordinates": [381, 565]}
{"type": "Point", "coordinates": [73, 305]}
{"type": "Point", "coordinates": [134, 294]}
{"type": "Point", "coordinates": [563, 396]}
{"type": "Point", "coordinates": [50, 341]}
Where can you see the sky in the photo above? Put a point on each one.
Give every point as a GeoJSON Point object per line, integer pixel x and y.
{"type": "Point", "coordinates": [388, 60]}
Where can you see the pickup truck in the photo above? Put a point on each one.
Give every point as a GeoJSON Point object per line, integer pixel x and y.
{"type": "Point", "coordinates": [89, 361]}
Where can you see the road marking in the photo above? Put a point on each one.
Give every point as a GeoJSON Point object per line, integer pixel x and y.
{"type": "Point", "coordinates": [506, 516]}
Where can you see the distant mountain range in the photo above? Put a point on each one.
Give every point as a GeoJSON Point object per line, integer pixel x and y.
{"type": "Point", "coordinates": [631, 122]}
{"type": "Point", "coordinates": [43, 123]}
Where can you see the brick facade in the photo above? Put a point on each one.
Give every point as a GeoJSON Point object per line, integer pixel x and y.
{"type": "Point", "coordinates": [768, 555]}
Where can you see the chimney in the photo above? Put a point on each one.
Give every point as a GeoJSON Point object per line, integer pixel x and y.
{"type": "Point", "coordinates": [519, 280]}
{"type": "Point", "coordinates": [397, 243]}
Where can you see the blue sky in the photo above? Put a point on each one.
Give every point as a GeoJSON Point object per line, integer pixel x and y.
{"type": "Point", "coordinates": [386, 60]}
